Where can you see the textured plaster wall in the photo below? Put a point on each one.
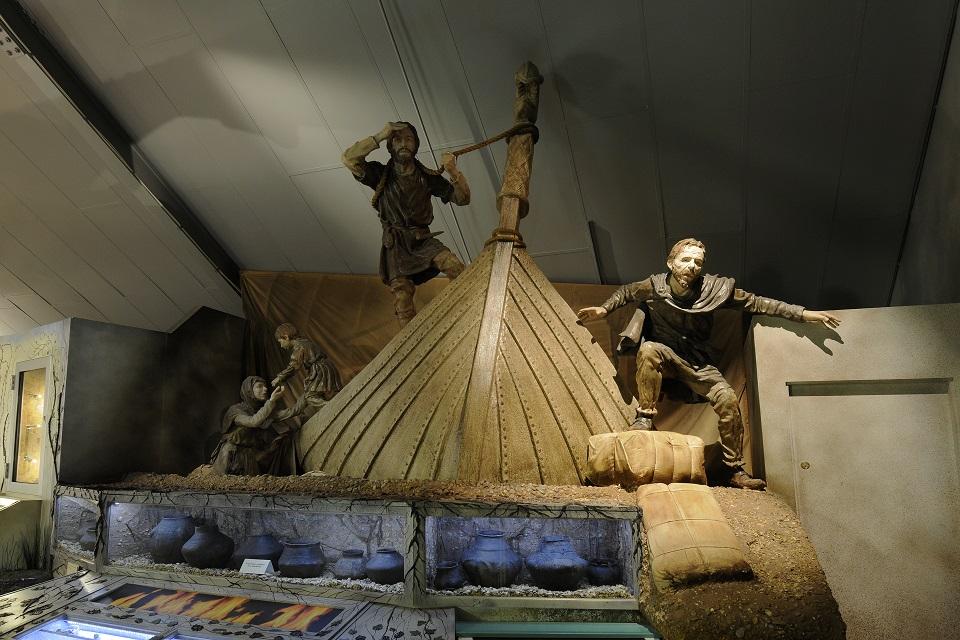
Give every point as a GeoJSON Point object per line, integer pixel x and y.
{"type": "Point", "coordinates": [867, 453]}
{"type": "Point", "coordinates": [929, 271]}
{"type": "Point", "coordinates": [51, 341]}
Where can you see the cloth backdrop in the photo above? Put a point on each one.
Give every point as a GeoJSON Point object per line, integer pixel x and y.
{"type": "Point", "coordinates": [351, 318]}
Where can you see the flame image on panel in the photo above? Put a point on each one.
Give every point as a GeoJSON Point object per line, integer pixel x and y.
{"type": "Point", "coordinates": [493, 380]}
{"type": "Point", "coordinates": [238, 609]}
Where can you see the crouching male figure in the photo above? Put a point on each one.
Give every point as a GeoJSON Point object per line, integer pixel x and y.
{"type": "Point", "coordinates": [671, 331]}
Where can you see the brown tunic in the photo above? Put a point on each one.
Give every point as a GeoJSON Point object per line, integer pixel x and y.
{"type": "Point", "coordinates": [405, 209]}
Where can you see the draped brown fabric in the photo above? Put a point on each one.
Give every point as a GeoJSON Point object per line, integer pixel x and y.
{"type": "Point", "coordinates": [351, 318]}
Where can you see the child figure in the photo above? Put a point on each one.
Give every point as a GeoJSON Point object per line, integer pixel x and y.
{"type": "Point", "coordinates": [321, 380]}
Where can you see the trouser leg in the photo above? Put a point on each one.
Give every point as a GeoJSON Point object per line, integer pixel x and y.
{"type": "Point", "coordinates": [448, 264]}
{"type": "Point", "coordinates": [725, 403]}
{"type": "Point", "coordinates": [403, 290]}
{"type": "Point", "coordinates": [650, 364]}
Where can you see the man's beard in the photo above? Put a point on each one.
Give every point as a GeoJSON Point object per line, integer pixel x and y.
{"type": "Point", "coordinates": [684, 277]}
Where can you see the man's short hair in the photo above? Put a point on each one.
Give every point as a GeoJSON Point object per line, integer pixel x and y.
{"type": "Point", "coordinates": [686, 242]}
{"type": "Point", "coordinates": [413, 130]}
{"type": "Point", "coordinates": [286, 330]}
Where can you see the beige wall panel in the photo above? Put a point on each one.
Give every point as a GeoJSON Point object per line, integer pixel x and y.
{"type": "Point", "coordinates": [871, 468]}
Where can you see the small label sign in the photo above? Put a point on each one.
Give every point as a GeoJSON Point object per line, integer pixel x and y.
{"type": "Point", "coordinates": [257, 567]}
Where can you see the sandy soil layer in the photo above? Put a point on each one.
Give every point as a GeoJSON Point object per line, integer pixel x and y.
{"type": "Point", "coordinates": [789, 597]}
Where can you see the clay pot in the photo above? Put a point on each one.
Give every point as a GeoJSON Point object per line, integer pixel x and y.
{"type": "Point", "coordinates": [385, 566]}
{"type": "Point", "coordinates": [88, 541]}
{"type": "Point", "coordinates": [490, 561]}
{"type": "Point", "coordinates": [87, 519]}
{"type": "Point", "coordinates": [301, 559]}
{"type": "Point", "coordinates": [449, 576]}
{"type": "Point", "coordinates": [350, 565]}
{"type": "Point", "coordinates": [262, 547]}
{"type": "Point", "coordinates": [208, 548]}
{"type": "Point", "coordinates": [603, 571]}
{"type": "Point", "coordinates": [556, 566]}
{"type": "Point", "coordinates": [168, 537]}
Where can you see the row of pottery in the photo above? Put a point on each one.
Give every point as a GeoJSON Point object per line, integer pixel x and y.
{"type": "Point", "coordinates": [491, 562]}
{"type": "Point", "coordinates": [178, 539]}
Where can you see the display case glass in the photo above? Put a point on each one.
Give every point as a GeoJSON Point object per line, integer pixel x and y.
{"type": "Point", "coordinates": [530, 557]}
{"type": "Point", "coordinates": [75, 527]}
{"type": "Point", "coordinates": [356, 551]}
{"type": "Point", "coordinates": [66, 627]}
{"type": "Point", "coordinates": [28, 441]}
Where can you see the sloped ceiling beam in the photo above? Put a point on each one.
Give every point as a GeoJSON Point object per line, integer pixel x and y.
{"type": "Point", "coordinates": [20, 27]}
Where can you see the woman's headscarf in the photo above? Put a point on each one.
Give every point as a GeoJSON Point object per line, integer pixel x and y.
{"type": "Point", "coordinates": [248, 404]}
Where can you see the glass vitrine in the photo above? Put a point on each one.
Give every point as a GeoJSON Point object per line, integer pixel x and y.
{"type": "Point", "coordinates": [30, 384]}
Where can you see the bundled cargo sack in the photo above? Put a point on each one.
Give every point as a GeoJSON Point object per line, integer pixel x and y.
{"type": "Point", "coordinates": [688, 538]}
{"type": "Point", "coordinates": [634, 458]}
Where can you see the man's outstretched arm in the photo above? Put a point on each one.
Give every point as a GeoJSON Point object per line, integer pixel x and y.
{"type": "Point", "coordinates": [633, 292]}
{"type": "Point", "coordinates": [753, 303]}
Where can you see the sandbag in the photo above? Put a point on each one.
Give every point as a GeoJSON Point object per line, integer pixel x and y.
{"type": "Point", "coordinates": [688, 538]}
{"type": "Point", "coordinates": [634, 458]}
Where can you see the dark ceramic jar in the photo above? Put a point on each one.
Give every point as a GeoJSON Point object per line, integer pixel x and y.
{"type": "Point", "coordinates": [556, 566]}
{"type": "Point", "coordinates": [262, 547]}
{"type": "Point", "coordinates": [208, 548]}
{"type": "Point", "coordinates": [88, 541]}
{"type": "Point", "coordinates": [385, 566]}
{"type": "Point", "coordinates": [301, 559]}
{"type": "Point", "coordinates": [490, 561]}
{"type": "Point", "coordinates": [449, 576]}
{"type": "Point", "coordinates": [168, 538]}
{"type": "Point", "coordinates": [603, 571]}
{"type": "Point", "coordinates": [350, 565]}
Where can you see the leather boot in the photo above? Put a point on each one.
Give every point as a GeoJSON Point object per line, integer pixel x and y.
{"type": "Point", "coordinates": [642, 423]}
{"type": "Point", "coordinates": [742, 480]}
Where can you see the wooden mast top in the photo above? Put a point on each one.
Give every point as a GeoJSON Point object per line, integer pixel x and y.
{"type": "Point", "coordinates": [512, 200]}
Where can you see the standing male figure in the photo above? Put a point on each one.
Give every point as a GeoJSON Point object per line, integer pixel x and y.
{"type": "Point", "coordinates": [410, 253]}
{"type": "Point", "coordinates": [672, 329]}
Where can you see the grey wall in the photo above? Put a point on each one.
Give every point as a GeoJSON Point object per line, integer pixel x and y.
{"type": "Point", "coordinates": [202, 378]}
{"type": "Point", "coordinates": [112, 400]}
{"type": "Point", "coordinates": [139, 400]}
{"type": "Point", "coordinates": [929, 271]}
{"type": "Point", "coordinates": [860, 434]}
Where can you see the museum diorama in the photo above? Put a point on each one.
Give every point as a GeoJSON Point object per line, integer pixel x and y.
{"type": "Point", "coordinates": [463, 447]}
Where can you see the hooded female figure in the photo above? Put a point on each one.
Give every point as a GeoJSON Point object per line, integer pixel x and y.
{"type": "Point", "coordinates": [251, 442]}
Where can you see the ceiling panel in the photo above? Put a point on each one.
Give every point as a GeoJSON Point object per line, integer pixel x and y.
{"type": "Point", "coordinates": [698, 52]}
{"type": "Point", "coordinates": [145, 21]}
{"type": "Point", "coordinates": [600, 71]}
{"type": "Point", "coordinates": [765, 128]}
{"type": "Point", "coordinates": [702, 169]}
{"type": "Point", "coordinates": [793, 41]}
{"type": "Point", "coordinates": [190, 77]}
{"type": "Point", "coordinates": [794, 157]}
{"type": "Point", "coordinates": [242, 41]}
{"type": "Point", "coordinates": [620, 193]}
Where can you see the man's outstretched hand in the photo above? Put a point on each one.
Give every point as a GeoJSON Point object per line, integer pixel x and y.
{"type": "Point", "coordinates": [828, 319]}
{"type": "Point", "coordinates": [591, 313]}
